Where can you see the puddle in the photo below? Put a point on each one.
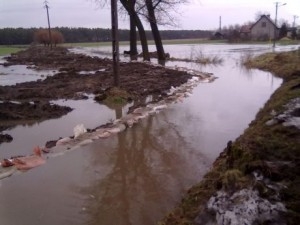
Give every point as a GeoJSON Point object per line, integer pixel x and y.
{"type": "Point", "coordinates": [88, 112]}
{"type": "Point", "coordinates": [11, 75]}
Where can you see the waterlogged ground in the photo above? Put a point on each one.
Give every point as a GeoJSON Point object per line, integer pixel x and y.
{"type": "Point", "coordinates": [137, 176]}
{"type": "Point", "coordinates": [21, 73]}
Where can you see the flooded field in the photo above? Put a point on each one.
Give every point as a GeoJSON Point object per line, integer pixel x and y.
{"type": "Point", "coordinates": [21, 73]}
{"type": "Point", "coordinates": [140, 174]}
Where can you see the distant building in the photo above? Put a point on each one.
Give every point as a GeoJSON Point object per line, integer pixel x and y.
{"type": "Point", "coordinates": [263, 29]}
{"type": "Point", "coordinates": [245, 32]}
{"type": "Point", "coordinates": [218, 35]}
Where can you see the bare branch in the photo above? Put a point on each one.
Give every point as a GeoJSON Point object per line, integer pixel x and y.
{"type": "Point", "coordinates": [165, 10]}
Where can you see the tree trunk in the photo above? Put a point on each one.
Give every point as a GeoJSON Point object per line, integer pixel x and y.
{"type": "Point", "coordinates": [143, 37]}
{"type": "Point", "coordinates": [133, 38]}
{"type": "Point", "coordinates": [141, 30]}
{"type": "Point", "coordinates": [115, 42]}
{"type": "Point", "coordinates": [155, 32]}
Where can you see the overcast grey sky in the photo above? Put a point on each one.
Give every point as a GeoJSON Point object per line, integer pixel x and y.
{"type": "Point", "coordinates": [198, 14]}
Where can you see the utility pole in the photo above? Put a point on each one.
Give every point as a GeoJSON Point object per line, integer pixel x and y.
{"type": "Point", "coordinates": [220, 24]}
{"type": "Point", "coordinates": [275, 29]}
{"type": "Point", "coordinates": [294, 22]}
{"type": "Point", "coordinates": [115, 42]}
{"type": "Point", "coordinates": [49, 28]}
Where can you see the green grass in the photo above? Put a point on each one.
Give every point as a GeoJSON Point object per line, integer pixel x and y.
{"type": "Point", "coordinates": [6, 50]}
{"type": "Point", "coordinates": [288, 42]}
{"type": "Point", "coordinates": [151, 42]}
{"type": "Point", "coordinates": [281, 64]}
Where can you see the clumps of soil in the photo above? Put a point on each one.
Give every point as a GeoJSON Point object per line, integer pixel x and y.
{"type": "Point", "coordinates": [79, 75]}
{"type": "Point", "coordinates": [5, 138]}
{"type": "Point", "coordinates": [57, 58]}
{"type": "Point", "coordinates": [35, 110]}
{"type": "Point", "coordinates": [25, 112]}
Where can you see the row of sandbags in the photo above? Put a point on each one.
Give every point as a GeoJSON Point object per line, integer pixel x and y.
{"type": "Point", "coordinates": [83, 137]}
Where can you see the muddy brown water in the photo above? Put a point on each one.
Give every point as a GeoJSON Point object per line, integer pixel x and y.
{"type": "Point", "coordinates": [137, 176]}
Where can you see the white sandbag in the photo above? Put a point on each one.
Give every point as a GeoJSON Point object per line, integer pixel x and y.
{"type": "Point", "coordinates": [141, 115]}
{"type": "Point", "coordinates": [104, 134]}
{"type": "Point", "coordinates": [6, 172]}
{"type": "Point", "coordinates": [160, 107]}
{"type": "Point", "coordinates": [63, 141]}
{"type": "Point", "coordinates": [113, 130]}
{"type": "Point", "coordinates": [121, 127]}
{"type": "Point", "coordinates": [139, 110]}
{"type": "Point", "coordinates": [78, 130]}
{"type": "Point", "coordinates": [85, 142]}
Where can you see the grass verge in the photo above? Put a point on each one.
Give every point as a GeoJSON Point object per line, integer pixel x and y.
{"type": "Point", "coordinates": [273, 150]}
{"type": "Point", "coordinates": [151, 42]}
{"type": "Point", "coordinates": [6, 50]}
{"type": "Point", "coordinates": [282, 64]}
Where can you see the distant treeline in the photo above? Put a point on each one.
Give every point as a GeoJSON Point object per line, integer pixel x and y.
{"type": "Point", "coordinates": [14, 36]}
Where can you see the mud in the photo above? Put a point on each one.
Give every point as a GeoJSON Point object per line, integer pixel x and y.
{"type": "Point", "coordinates": [78, 75]}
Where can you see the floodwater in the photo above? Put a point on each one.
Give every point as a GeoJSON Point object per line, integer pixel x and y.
{"type": "Point", "coordinates": [21, 73]}
{"type": "Point", "coordinates": [137, 176]}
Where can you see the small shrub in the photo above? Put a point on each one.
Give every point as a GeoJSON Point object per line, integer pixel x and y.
{"type": "Point", "coordinates": [42, 36]}
{"type": "Point", "coordinates": [197, 56]}
{"type": "Point", "coordinates": [232, 180]}
{"type": "Point", "coordinates": [246, 58]}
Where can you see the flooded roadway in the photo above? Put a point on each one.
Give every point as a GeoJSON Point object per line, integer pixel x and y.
{"type": "Point", "coordinates": [137, 176]}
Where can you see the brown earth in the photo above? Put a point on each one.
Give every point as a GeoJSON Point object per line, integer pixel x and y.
{"type": "Point", "coordinates": [78, 74]}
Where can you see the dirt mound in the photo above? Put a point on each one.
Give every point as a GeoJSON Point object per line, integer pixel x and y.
{"type": "Point", "coordinates": [30, 111]}
{"type": "Point", "coordinates": [78, 74]}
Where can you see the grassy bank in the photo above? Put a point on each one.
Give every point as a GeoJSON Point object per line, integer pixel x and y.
{"type": "Point", "coordinates": [281, 64]}
{"type": "Point", "coordinates": [179, 42]}
{"type": "Point", "coordinates": [6, 50]}
{"type": "Point", "coordinates": [270, 149]}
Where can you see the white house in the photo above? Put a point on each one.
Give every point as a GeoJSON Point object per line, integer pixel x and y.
{"type": "Point", "coordinates": [264, 29]}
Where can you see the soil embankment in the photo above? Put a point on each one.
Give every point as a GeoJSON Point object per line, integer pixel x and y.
{"type": "Point", "coordinates": [256, 179]}
{"type": "Point", "coordinates": [78, 75]}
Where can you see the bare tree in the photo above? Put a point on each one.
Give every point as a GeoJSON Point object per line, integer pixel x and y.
{"type": "Point", "coordinates": [159, 12]}
{"type": "Point", "coordinates": [135, 21]}
{"type": "Point", "coordinates": [133, 35]}
{"type": "Point", "coordinates": [154, 28]}
{"type": "Point", "coordinates": [258, 14]}
{"type": "Point", "coordinates": [283, 21]}
{"type": "Point", "coordinates": [156, 12]}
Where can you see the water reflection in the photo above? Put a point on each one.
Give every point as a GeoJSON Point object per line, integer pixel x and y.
{"type": "Point", "coordinates": [87, 112]}
{"type": "Point", "coordinates": [139, 175]}
{"type": "Point", "coordinates": [149, 169]}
